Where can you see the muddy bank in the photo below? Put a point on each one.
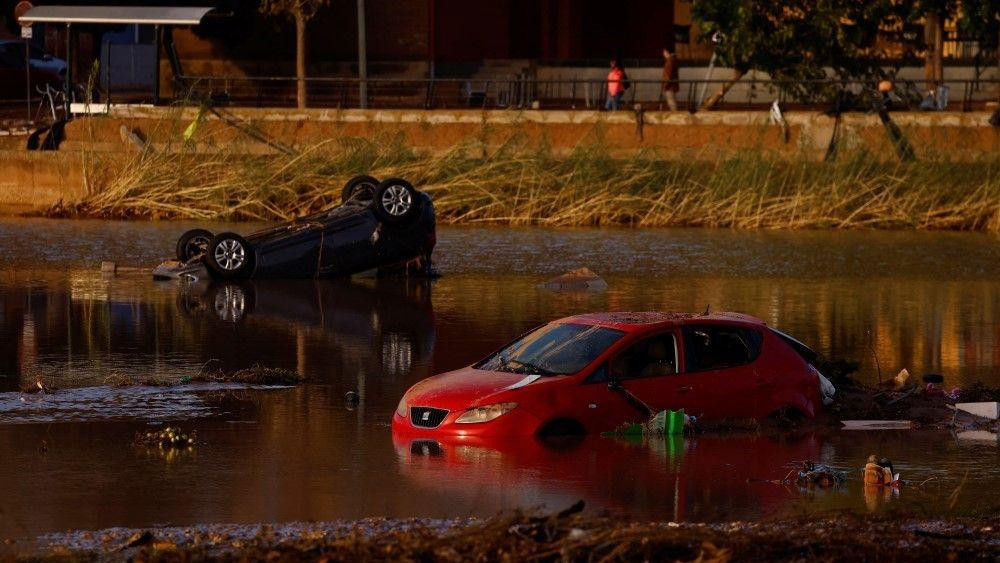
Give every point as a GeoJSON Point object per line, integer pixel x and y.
{"type": "Point", "coordinates": [566, 536]}
{"type": "Point", "coordinates": [923, 408]}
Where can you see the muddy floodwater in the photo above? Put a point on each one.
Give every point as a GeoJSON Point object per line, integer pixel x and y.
{"type": "Point", "coordinates": [929, 302]}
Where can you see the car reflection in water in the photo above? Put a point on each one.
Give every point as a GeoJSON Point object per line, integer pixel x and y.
{"type": "Point", "coordinates": [666, 478]}
{"type": "Point", "coordinates": [385, 326]}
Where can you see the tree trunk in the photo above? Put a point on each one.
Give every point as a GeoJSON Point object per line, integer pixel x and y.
{"type": "Point", "coordinates": [300, 59]}
{"type": "Point", "coordinates": [715, 98]}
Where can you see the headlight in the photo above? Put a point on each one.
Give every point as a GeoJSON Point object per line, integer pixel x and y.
{"type": "Point", "coordinates": [485, 414]}
{"type": "Point", "coordinates": [401, 407]}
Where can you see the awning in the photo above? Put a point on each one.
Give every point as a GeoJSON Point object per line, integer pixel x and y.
{"type": "Point", "coordinates": [147, 15]}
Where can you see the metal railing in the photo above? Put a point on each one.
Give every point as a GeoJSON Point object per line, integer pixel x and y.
{"type": "Point", "coordinates": [528, 93]}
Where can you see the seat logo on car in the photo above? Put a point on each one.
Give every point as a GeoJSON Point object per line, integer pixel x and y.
{"type": "Point", "coordinates": [426, 416]}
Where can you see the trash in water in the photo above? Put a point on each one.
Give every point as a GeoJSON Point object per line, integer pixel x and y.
{"type": "Point", "coordinates": [935, 378]}
{"type": "Point", "coordinates": [898, 382]}
{"type": "Point", "coordinates": [814, 474]}
{"type": "Point", "coordinates": [37, 387]}
{"type": "Point", "coordinates": [351, 400]}
{"type": "Point", "coordinates": [169, 438]}
{"type": "Point", "coordinates": [877, 424]}
{"type": "Point", "coordinates": [979, 436]}
{"type": "Point", "coordinates": [811, 474]}
{"type": "Point", "coordinates": [576, 280]}
{"type": "Point", "coordinates": [990, 410]}
{"type": "Point", "coordinates": [880, 472]}
{"type": "Point", "coordinates": [663, 423]}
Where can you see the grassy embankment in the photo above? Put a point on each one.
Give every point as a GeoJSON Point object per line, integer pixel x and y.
{"type": "Point", "coordinates": [521, 185]}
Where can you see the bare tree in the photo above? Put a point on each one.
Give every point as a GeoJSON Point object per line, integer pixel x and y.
{"type": "Point", "coordinates": [300, 11]}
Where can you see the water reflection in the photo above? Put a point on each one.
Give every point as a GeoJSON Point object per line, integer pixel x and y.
{"type": "Point", "coordinates": [698, 478]}
{"type": "Point", "coordinates": [671, 478]}
{"type": "Point", "coordinates": [93, 326]}
{"type": "Point", "coordinates": [931, 302]}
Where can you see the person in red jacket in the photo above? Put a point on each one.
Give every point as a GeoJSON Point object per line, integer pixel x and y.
{"type": "Point", "coordinates": [617, 83]}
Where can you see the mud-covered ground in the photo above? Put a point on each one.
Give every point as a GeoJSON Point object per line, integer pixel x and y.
{"type": "Point", "coordinates": [566, 536]}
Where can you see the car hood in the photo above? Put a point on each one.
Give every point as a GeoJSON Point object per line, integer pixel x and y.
{"type": "Point", "coordinates": [463, 388]}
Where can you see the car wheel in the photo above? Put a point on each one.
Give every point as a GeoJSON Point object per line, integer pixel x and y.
{"type": "Point", "coordinates": [359, 188]}
{"type": "Point", "coordinates": [231, 302]}
{"type": "Point", "coordinates": [229, 256]}
{"type": "Point", "coordinates": [396, 201]}
{"type": "Point", "coordinates": [192, 244]}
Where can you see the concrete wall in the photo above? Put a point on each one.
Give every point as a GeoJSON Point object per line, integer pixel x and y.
{"type": "Point", "coordinates": [30, 179]}
{"type": "Point", "coordinates": [670, 134]}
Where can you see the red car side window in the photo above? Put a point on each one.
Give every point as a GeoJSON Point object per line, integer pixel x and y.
{"type": "Point", "coordinates": [654, 356]}
{"type": "Point", "coordinates": [709, 347]}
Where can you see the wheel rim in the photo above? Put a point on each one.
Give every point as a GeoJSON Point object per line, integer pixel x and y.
{"type": "Point", "coordinates": [230, 303]}
{"type": "Point", "coordinates": [196, 246]}
{"type": "Point", "coordinates": [396, 200]}
{"type": "Point", "coordinates": [230, 254]}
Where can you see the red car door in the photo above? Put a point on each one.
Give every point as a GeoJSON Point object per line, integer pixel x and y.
{"type": "Point", "coordinates": [648, 370]}
{"type": "Point", "coordinates": [719, 360]}
{"type": "Point", "coordinates": [598, 408]}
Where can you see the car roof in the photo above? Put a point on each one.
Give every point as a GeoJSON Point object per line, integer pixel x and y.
{"type": "Point", "coordinates": [632, 321]}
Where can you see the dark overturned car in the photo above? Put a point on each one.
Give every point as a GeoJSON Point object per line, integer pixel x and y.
{"type": "Point", "coordinates": [386, 226]}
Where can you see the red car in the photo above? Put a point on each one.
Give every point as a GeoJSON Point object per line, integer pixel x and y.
{"type": "Point", "coordinates": [593, 372]}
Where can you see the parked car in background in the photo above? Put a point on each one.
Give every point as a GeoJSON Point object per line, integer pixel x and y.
{"type": "Point", "coordinates": [595, 372]}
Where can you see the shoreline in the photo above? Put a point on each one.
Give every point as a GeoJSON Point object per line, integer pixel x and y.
{"type": "Point", "coordinates": [569, 535]}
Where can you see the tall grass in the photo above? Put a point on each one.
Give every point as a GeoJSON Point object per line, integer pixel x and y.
{"type": "Point", "coordinates": [525, 184]}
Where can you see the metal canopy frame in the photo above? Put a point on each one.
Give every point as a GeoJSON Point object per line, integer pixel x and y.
{"type": "Point", "coordinates": [156, 16]}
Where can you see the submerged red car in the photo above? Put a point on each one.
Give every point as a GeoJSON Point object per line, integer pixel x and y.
{"type": "Point", "coordinates": [593, 372]}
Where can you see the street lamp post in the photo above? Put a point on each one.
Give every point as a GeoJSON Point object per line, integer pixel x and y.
{"type": "Point", "coordinates": [362, 57]}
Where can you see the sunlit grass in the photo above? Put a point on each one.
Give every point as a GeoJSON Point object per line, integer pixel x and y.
{"type": "Point", "coordinates": [521, 184]}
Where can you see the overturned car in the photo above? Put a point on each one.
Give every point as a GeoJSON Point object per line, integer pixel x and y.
{"type": "Point", "coordinates": [378, 226]}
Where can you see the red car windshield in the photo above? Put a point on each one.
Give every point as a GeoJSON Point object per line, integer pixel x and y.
{"type": "Point", "coordinates": [554, 349]}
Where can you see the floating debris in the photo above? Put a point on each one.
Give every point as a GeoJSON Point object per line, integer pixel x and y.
{"type": "Point", "coordinates": [351, 400]}
{"type": "Point", "coordinates": [38, 386]}
{"type": "Point", "coordinates": [813, 474]}
{"type": "Point", "coordinates": [167, 438]}
{"type": "Point", "coordinates": [255, 375]}
{"type": "Point", "coordinates": [663, 423]}
{"type": "Point", "coordinates": [576, 280]}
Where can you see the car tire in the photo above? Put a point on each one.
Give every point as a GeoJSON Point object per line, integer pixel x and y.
{"type": "Point", "coordinates": [193, 243]}
{"type": "Point", "coordinates": [229, 257]}
{"type": "Point", "coordinates": [360, 188]}
{"type": "Point", "coordinates": [396, 201]}
{"type": "Point", "coordinates": [231, 302]}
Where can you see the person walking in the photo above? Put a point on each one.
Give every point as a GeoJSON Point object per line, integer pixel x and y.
{"type": "Point", "coordinates": [617, 83]}
{"type": "Point", "coordinates": [670, 78]}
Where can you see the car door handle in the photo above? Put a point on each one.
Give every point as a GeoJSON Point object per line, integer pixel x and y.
{"type": "Point", "coordinates": [763, 382]}
{"type": "Point", "coordinates": [685, 389]}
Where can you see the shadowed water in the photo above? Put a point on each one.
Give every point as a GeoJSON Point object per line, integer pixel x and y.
{"type": "Point", "coordinates": [929, 302]}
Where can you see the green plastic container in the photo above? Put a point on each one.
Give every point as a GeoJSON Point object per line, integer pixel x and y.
{"type": "Point", "coordinates": [668, 422]}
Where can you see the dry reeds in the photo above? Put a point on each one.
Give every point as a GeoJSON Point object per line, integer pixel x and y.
{"type": "Point", "coordinates": [522, 184]}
